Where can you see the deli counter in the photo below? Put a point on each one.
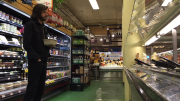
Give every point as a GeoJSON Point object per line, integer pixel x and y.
{"type": "Point", "coordinates": [152, 83]}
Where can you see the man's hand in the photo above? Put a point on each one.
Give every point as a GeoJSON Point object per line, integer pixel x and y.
{"type": "Point", "coordinates": [39, 60]}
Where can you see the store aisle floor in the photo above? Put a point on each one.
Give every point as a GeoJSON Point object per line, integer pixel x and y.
{"type": "Point", "coordinates": [98, 91]}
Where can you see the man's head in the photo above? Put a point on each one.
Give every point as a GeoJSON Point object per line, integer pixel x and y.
{"type": "Point", "coordinates": [39, 12]}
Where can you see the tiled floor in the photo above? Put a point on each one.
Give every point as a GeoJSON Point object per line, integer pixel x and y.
{"type": "Point", "coordinates": [97, 91]}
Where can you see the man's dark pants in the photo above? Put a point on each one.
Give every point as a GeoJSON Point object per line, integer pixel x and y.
{"type": "Point", "coordinates": [36, 80]}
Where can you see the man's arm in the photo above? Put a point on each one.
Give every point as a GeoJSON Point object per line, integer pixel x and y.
{"type": "Point", "coordinates": [27, 38]}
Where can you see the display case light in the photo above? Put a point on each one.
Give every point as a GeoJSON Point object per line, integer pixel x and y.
{"type": "Point", "coordinates": [16, 10]}
{"type": "Point", "coordinates": [166, 2]}
{"type": "Point", "coordinates": [113, 35]}
{"type": "Point", "coordinates": [151, 40]}
{"type": "Point", "coordinates": [173, 24]}
{"type": "Point", "coordinates": [101, 39]}
{"type": "Point", "coordinates": [94, 4]}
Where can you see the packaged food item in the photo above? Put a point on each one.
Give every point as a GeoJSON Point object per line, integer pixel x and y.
{"type": "Point", "coordinates": [3, 15]}
{"type": "Point", "coordinates": [20, 21]}
{"type": "Point", "coordinates": [0, 27]}
{"type": "Point", "coordinates": [11, 18]}
{"type": "Point", "coordinates": [54, 18]}
{"type": "Point", "coordinates": [17, 84]}
{"type": "Point", "coordinates": [7, 16]}
{"type": "Point", "coordinates": [24, 83]}
{"type": "Point", "coordinates": [0, 13]}
{"type": "Point", "coordinates": [8, 86]}
{"type": "Point", "coordinates": [3, 26]}
{"type": "Point", "coordinates": [74, 30]}
{"type": "Point", "coordinates": [59, 21]}
{"type": "Point", "coordinates": [64, 23]}
{"type": "Point", "coordinates": [14, 19]}
{"type": "Point", "coordinates": [17, 20]}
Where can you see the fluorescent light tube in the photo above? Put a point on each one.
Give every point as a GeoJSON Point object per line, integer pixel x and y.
{"type": "Point", "coordinates": [94, 4]}
{"type": "Point", "coordinates": [151, 40]}
{"type": "Point", "coordinates": [173, 24]}
{"type": "Point", "coordinates": [166, 2]}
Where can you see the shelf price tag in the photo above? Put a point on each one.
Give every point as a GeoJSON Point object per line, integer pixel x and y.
{"type": "Point", "coordinates": [8, 78]}
{"type": "Point", "coordinates": [9, 67]}
{"type": "Point", "coordinates": [4, 67]}
{"type": "Point", "coordinates": [2, 55]}
{"type": "Point", "coordinates": [11, 93]}
{"type": "Point", "coordinates": [19, 91]}
{"type": "Point", "coordinates": [0, 67]}
{"type": "Point", "coordinates": [8, 56]}
{"type": "Point", "coordinates": [3, 96]}
{"type": "Point", "coordinates": [14, 56]}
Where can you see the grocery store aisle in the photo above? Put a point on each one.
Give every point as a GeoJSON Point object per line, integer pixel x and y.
{"type": "Point", "coordinates": [98, 91]}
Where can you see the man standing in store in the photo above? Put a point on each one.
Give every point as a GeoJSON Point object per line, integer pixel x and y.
{"type": "Point", "coordinates": [34, 33]}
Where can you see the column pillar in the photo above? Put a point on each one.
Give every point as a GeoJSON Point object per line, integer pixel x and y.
{"type": "Point", "coordinates": [174, 36]}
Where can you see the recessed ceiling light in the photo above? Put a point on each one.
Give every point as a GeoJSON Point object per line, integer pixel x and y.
{"type": "Point", "coordinates": [94, 4]}
{"type": "Point", "coordinates": [166, 2]}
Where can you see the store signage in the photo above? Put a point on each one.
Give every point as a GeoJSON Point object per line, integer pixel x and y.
{"type": "Point", "coordinates": [48, 3]}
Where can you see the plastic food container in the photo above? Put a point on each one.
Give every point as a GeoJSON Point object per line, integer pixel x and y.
{"type": "Point", "coordinates": [50, 42]}
{"type": "Point", "coordinates": [7, 16]}
{"type": "Point", "coordinates": [3, 15]}
{"type": "Point", "coordinates": [8, 86]}
{"type": "Point", "coordinates": [11, 18]}
{"type": "Point", "coordinates": [0, 13]}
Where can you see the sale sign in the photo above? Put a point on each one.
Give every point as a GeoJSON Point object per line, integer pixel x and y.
{"type": "Point", "coordinates": [48, 3]}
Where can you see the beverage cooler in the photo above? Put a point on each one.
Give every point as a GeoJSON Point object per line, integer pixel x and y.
{"type": "Point", "coordinates": [14, 61]}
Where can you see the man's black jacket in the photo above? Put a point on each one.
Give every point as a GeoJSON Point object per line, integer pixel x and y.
{"type": "Point", "coordinates": [34, 33]}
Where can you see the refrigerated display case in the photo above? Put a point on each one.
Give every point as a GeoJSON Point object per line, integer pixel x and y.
{"type": "Point", "coordinates": [158, 84]}
{"type": "Point", "coordinates": [13, 58]}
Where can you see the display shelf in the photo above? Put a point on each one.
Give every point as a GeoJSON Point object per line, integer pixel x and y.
{"type": "Point", "coordinates": [9, 57]}
{"type": "Point", "coordinates": [53, 55]}
{"type": "Point", "coordinates": [58, 79]}
{"type": "Point", "coordinates": [5, 33]}
{"type": "Point", "coordinates": [80, 64]}
{"type": "Point", "coordinates": [80, 37]}
{"type": "Point", "coordinates": [13, 92]}
{"type": "Point", "coordinates": [79, 74]}
{"type": "Point", "coordinates": [49, 67]}
{"type": "Point", "coordinates": [7, 68]}
{"type": "Point", "coordinates": [81, 54]}
{"type": "Point", "coordinates": [21, 90]}
{"type": "Point", "coordinates": [10, 79]}
{"type": "Point", "coordinates": [80, 45]}
{"type": "Point", "coordinates": [11, 23]}
{"type": "Point", "coordinates": [10, 45]}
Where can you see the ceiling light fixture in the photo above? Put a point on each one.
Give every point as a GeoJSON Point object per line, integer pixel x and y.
{"type": "Point", "coordinates": [153, 39]}
{"type": "Point", "coordinates": [94, 4]}
{"type": "Point", "coordinates": [173, 24]}
{"type": "Point", "coordinates": [166, 2]}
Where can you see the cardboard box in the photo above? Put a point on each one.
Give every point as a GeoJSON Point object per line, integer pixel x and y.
{"type": "Point", "coordinates": [97, 57]}
{"type": "Point", "coordinates": [92, 60]}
